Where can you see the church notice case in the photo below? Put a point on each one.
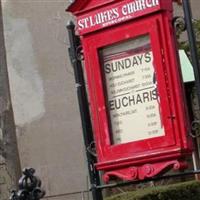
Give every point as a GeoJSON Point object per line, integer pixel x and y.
{"type": "Point", "coordinates": [132, 94]}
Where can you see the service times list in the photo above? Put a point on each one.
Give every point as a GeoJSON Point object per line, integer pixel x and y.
{"type": "Point", "coordinates": [133, 100]}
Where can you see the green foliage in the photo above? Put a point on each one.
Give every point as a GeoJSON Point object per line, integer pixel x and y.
{"type": "Point", "coordinates": [183, 44]}
{"type": "Point", "coordinates": [181, 191]}
{"type": "Point", "coordinates": [197, 33]}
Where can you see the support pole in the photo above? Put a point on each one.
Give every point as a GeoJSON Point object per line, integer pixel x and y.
{"type": "Point", "coordinates": [84, 110]}
{"type": "Point", "coordinates": [192, 44]}
{"type": "Point", "coordinates": [195, 64]}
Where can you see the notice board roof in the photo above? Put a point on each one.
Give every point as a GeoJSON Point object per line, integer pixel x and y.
{"type": "Point", "coordinates": [81, 6]}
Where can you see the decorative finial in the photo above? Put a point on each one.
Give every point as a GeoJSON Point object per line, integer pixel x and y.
{"type": "Point", "coordinates": [29, 187]}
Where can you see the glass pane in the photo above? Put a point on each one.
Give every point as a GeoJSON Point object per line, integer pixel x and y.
{"type": "Point", "coordinates": [132, 98]}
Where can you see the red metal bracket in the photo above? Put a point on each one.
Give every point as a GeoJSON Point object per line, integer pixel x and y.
{"type": "Point", "coordinates": [144, 171]}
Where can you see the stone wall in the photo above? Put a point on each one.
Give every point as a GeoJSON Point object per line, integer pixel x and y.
{"type": "Point", "coordinates": [43, 94]}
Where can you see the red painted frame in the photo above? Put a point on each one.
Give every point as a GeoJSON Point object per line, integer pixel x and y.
{"type": "Point", "coordinates": [174, 145]}
{"type": "Point", "coordinates": [150, 157]}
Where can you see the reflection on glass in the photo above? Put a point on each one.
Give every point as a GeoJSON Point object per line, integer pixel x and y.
{"type": "Point", "coordinates": [132, 97]}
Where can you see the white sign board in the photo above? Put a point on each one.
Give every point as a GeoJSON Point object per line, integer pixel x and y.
{"type": "Point", "coordinates": [133, 100]}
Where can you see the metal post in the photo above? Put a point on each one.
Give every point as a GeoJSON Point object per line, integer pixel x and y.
{"type": "Point", "coordinates": [192, 44]}
{"type": "Point", "coordinates": [195, 63]}
{"type": "Point", "coordinates": [84, 109]}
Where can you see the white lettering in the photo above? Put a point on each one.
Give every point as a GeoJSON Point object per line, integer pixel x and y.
{"type": "Point", "coordinates": [124, 10]}
{"type": "Point", "coordinates": [115, 15]}
{"type": "Point", "coordinates": [149, 5]}
{"type": "Point", "coordinates": [92, 23]}
{"type": "Point", "coordinates": [143, 4]}
{"type": "Point", "coordinates": [80, 24]}
{"type": "Point", "coordinates": [85, 20]}
{"type": "Point", "coordinates": [155, 2]}
{"type": "Point", "coordinates": [103, 17]}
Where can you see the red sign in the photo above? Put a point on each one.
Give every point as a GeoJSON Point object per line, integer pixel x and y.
{"type": "Point", "coordinates": [113, 15]}
{"type": "Point", "coordinates": [136, 98]}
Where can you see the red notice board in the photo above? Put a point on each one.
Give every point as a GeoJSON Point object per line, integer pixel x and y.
{"type": "Point", "coordinates": [136, 99]}
{"type": "Point", "coordinates": [135, 90]}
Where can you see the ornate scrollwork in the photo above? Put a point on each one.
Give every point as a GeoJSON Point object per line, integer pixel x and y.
{"type": "Point", "coordinates": [79, 53]}
{"type": "Point", "coordinates": [195, 129]}
{"type": "Point", "coordinates": [29, 187]}
{"type": "Point", "coordinates": [179, 24]}
{"type": "Point", "coordinates": [92, 149]}
{"type": "Point", "coordinates": [144, 171]}
{"type": "Point", "coordinates": [128, 174]}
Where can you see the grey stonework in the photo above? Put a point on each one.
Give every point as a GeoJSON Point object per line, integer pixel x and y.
{"type": "Point", "coordinates": [43, 95]}
{"type": "Point", "coordinates": [9, 158]}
